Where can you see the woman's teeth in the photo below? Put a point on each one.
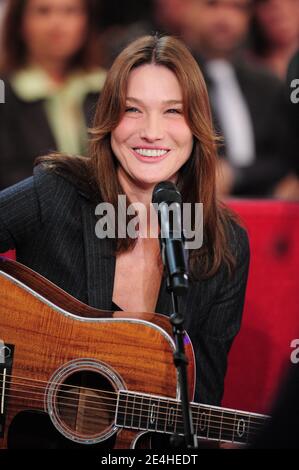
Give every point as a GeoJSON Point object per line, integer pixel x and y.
{"type": "Point", "coordinates": [150, 152]}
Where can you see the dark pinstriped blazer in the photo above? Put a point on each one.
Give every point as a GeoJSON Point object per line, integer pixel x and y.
{"type": "Point", "coordinates": [51, 223]}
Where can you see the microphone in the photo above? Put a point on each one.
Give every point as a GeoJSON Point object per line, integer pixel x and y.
{"type": "Point", "coordinates": [167, 200]}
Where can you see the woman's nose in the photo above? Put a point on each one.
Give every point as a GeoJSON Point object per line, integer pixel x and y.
{"type": "Point", "coordinates": [152, 128]}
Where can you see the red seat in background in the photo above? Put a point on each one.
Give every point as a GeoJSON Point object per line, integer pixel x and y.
{"type": "Point", "coordinates": [11, 254]}
{"type": "Point", "coordinates": [261, 352]}
{"type": "Point", "coordinates": [260, 355]}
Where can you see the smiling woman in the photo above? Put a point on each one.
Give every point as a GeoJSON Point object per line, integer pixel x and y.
{"type": "Point", "coordinates": [152, 123]}
{"type": "Point", "coordinates": [149, 64]}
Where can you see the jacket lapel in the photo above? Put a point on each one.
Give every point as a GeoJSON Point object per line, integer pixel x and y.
{"type": "Point", "coordinates": [164, 303]}
{"type": "Point", "coordinates": [99, 260]}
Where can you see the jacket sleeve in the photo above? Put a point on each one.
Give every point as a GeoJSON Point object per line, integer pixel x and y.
{"type": "Point", "coordinates": [23, 211]}
{"type": "Point", "coordinates": [220, 327]}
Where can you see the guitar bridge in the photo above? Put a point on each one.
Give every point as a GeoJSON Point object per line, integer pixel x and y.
{"type": "Point", "coordinates": [6, 359]}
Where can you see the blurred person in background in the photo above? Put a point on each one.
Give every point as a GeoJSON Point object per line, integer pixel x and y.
{"type": "Point", "coordinates": [275, 31]}
{"type": "Point", "coordinates": [50, 63]}
{"type": "Point", "coordinates": [122, 22]}
{"type": "Point", "coordinates": [3, 4]}
{"type": "Point", "coordinates": [292, 91]}
{"type": "Point", "coordinates": [292, 83]}
{"type": "Point", "coordinates": [248, 102]}
{"type": "Point", "coordinates": [169, 16]}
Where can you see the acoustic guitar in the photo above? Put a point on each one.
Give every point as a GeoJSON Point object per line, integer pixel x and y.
{"type": "Point", "coordinates": [79, 376]}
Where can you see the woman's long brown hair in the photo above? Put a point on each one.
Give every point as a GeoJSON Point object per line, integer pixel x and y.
{"type": "Point", "coordinates": [196, 179]}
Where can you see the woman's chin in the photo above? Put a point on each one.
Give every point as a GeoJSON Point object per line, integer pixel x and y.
{"type": "Point", "coordinates": [152, 180]}
{"type": "Point", "coordinates": [148, 183]}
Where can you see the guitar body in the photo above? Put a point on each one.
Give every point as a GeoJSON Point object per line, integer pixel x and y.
{"type": "Point", "coordinates": [68, 361]}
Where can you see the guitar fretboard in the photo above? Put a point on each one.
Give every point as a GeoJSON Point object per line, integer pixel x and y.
{"type": "Point", "coordinates": [150, 413]}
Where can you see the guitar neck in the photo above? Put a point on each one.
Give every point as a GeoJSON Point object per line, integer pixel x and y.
{"type": "Point", "coordinates": [157, 414]}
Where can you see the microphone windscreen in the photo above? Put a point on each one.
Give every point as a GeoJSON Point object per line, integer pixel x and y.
{"type": "Point", "coordinates": [166, 191]}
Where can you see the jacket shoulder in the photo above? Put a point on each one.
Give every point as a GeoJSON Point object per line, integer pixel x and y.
{"type": "Point", "coordinates": [52, 191]}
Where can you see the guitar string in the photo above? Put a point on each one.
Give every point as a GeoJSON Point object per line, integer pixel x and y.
{"type": "Point", "coordinates": [212, 412]}
{"type": "Point", "coordinates": [209, 429]}
{"type": "Point", "coordinates": [46, 382]}
{"type": "Point", "coordinates": [220, 419]}
{"type": "Point", "coordinates": [107, 399]}
{"type": "Point", "coordinates": [53, 383]}
{"type": "Point", "coordinates": [209, 407]}
{"type": "Point", "coordinates": [70, 392]}
{"type": "Point", "coordinates": [113, 393]}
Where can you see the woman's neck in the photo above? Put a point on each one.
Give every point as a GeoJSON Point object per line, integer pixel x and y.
{"type": "Point", "coordinates": [136, 192]}
{"type": "Point", "coordinates": [140, 196]}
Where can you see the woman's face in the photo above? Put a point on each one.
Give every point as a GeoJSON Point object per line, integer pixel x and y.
{"type": "Point", "coordinates": [54, 29]}
{"type": "Point", "coordinates": [152, 140]}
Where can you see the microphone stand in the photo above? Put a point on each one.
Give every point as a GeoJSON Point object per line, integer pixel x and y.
{"type": "Point", "coordinates": [177, 285]}
{"type": "Point", "coordinates": [174, 256]}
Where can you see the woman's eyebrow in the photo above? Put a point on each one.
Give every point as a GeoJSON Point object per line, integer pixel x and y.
{"type": "Point", "coordinates": [138, 101]}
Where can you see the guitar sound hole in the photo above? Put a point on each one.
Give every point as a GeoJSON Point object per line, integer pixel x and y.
{"type": "Point", "coordinates": [85, 405]}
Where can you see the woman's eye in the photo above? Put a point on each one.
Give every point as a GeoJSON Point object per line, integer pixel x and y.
{"type": "Point", "coordinates": [132, 110]}
{"type": "Point", "coordinates": [174, 111]}
{"type": "Point", "coordinates": [41, 10]}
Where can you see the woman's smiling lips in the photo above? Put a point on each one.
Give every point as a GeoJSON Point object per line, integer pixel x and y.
{"type": "Point", "coordinates": [150, 154]}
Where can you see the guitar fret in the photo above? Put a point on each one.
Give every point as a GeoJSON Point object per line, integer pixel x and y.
{"type": "Point", "coordinates": [132, 412]}
{"type": "Point", "coordinates": [203, 422]}
{"type": "Point", "coordinates": [143, 412]}
{"type": "Point", "coordinates": [144, 418]}
{"type": "Point", "coordinates": [170, 425]}
{"type": "Point", "coordinates": [148, 414]}
{"type": "Point", "coordinates": [195, 413]}
{"type": "Point", "coordinates": [242, 430]}
{"type": "Point", "coordinates": [152, 415]}
{"type": "Point", "coordinates": [234, 424]}
{"type": "Point", "coordinates": [125, 411]}
{"type": "Point", "coordinates": [221, 425]}
{"type": "Point", "coordinates": [178, 414]}
{"type": "Point", "coordinates": [215, 422]}
{"type": "Point", "coordinates": [160, 416]}
{"type": "Point", "coordinates": [166, 416]}
{"type": "Point", "coordinates": [209, 424]}
{"type": "Point", "coordinates": [256, 423]}
{"type": "Point", "coordinates": [137, 412]}
{"type": "Point", "coordinates": [120, 414]}
{"type": "Point", "coordinates": [248, 429]}
{"type": "Point", "coordinates": [227, 431]}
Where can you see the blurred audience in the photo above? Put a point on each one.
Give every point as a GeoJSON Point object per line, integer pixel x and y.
{"type": "Point", "coordinates": [275, 33]}
{"type": "Point", "coordinates": [169, 16]}
{"type": "Point", "coordinates": [3, 4]}
{"type": "Point", "coordinates": [122, 22]}
{"type": "Point", "coordinates": [249, 103]}
{"type": "Point", "coordinates": [163, 16]}
{"type": "Point", "coordinates": [50, 63]}
{"type": "Point", "coordinates": [51, 57]}
{"type": "Point", "coordinates": [292, 91]}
